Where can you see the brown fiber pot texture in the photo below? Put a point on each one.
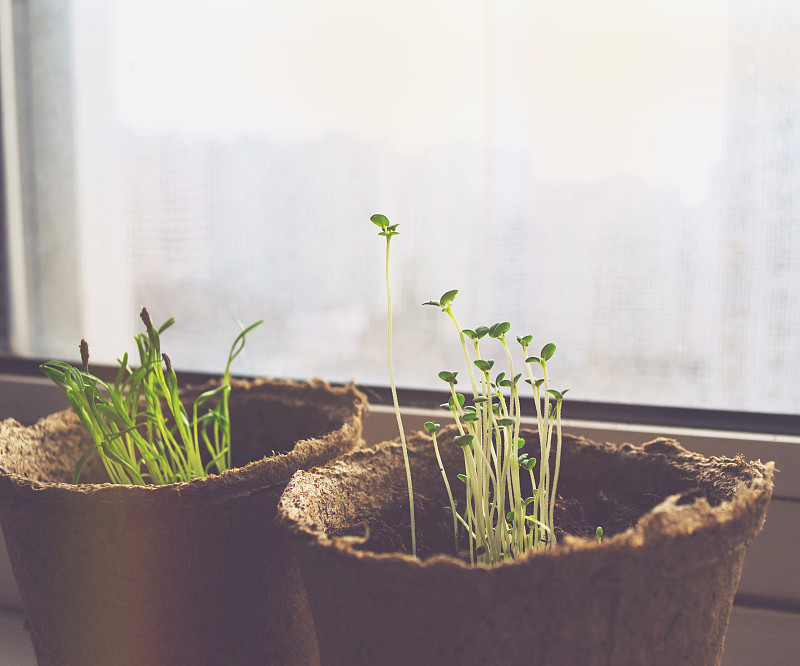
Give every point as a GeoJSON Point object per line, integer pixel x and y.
{"type": "Point", "coordinates": [186, 573]}
{"type": "Point", "coordinates": [659, 592]}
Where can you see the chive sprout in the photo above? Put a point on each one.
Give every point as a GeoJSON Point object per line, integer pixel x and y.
{"type": "Point", "coordinates": [139, 425]}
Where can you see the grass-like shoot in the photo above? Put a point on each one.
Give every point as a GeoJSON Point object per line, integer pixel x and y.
{"type": "Point", "coordinates": [388, 230]}
{"type": "Point", "coordinates": [499, 522]}
{"type": "Point", "coordinates": [141, 429]}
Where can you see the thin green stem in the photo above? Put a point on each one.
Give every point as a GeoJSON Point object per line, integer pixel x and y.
{"type": "Point", "coordinates": [449, 494]}
{"type": "Point", "coordinates": [397, 403]}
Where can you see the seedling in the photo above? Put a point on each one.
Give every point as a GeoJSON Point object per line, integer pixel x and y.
{"type": "Point", "coordinates": [500, 522]}
{"type": "Point", "coordinates": [139, 425]}
{"type": "Point", "coordinates": [388, 231]}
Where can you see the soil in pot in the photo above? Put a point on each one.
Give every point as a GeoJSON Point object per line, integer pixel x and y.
{"type": "Point", "coordinates": [391, 532]}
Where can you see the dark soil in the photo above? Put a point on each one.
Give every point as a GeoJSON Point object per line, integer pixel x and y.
{"type": "Point", "coordinates": [391, 533]}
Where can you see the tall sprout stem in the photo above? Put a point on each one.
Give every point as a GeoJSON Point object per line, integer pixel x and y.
{"type": "Point", "coordinates": [397, 403]}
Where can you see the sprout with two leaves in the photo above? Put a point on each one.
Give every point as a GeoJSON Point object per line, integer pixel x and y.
{"type": "Point", "coordinates": [499, 521]}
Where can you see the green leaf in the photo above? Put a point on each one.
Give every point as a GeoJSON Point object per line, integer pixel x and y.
{"type": "Point", "coordinates": [481, 331]}
{"type": "Point", "coordinates": [510, 516]}
{"type": "Point", "coordinates": [525, 340]}
{"type": "Point", "coordinates": [451, 404]}
{"type": "Point", "coordinates": [462, 440]}
{"type": "Point", "coordinates": [209, 395]}
{"type": "Point", "coordinates": [381, 220]}
{"type": "Point", "coordinates": [462, 477]}
{"type": "Point", "coordinates": [448, 376]}
{"type": "Point", "coordinates": [431, 427]}
{"type": "Point", "coordinates": [470, 417]}
{"type": "Point", "coordinates": [77, 475]}
{"type": "Point", "coordinates": [520, 442]}
{"type": "Point", "coordinates": [238, 343]}
{"type": "Point", "coordinates": [529, 463]}
{"type": "Point", "coordinates": [499, 329]}
{"type": "Point", "coordinates": [56, 373]}
{"type": "Point", "coordinates": [533, 359]}
{"type": "Point", "coordinates": [165, 325]}
{"type": "Point", "coordinates": [469, 333]}
{"type": "Point", "coordinates": [505, 422]}
{"type": "Point", "coordinates": [436, 303]}
{"type": "Point", "coordinates": [548, 350]}
{"type": "Point", "coordinates": [528, 500]}
{"type": "Point", "coordinates": [482, 365]}
{"type": "Point", "coordinates": [481, 399]}
{"type": "Point", "coordinates": [447, 297]}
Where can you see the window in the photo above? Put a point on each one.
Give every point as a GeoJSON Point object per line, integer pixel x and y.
{"type": "Point", "coordinates": [620, 178]}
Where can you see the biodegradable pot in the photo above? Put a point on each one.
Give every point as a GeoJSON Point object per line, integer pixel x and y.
{"type": "Point", "coordinates": [659, 591]}
{"type": "Point", "coordinates": [186, 573]}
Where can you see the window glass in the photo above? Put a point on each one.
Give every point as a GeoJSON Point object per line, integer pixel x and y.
{"type": "Point", "coordinates": [620, 178]}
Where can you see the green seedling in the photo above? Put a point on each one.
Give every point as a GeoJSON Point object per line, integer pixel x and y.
{"type": "Point", "coordinates": [140, 428]}
{"type": "Point", "coordinates": [499, 521]}
{"type": "Point", "coordinates": [388, 231]}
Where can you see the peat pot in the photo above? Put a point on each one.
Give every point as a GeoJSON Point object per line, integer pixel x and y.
{"type": "Point", "coordinates": [657, 590]}
{"type": "Point", "coordinates": [186, 573]}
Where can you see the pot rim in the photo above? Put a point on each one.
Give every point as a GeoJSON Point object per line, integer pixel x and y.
{"type": "Point", "coordinates": [267, 472]}
{"type": "Point", "coordinates": [748, 505]}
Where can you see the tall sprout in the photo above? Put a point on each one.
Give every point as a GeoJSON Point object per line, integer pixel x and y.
{"type": "Point", "coordinates": [388, 231]}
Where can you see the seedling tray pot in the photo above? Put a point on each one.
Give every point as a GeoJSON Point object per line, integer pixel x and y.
{"type": "Point", "coordinates": [657, 592]}
{"type": "Point", "coordinates": [186, 573]}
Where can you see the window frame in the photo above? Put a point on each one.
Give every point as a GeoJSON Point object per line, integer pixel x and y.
{"type": "Point", "coordinates": [26, 395]}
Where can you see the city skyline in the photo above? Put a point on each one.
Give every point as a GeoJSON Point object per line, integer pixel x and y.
{"type": "Point", "coordinates": [638, 211]}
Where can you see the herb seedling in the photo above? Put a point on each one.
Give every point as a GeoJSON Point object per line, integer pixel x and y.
{"type": "Point", "coordinates": [500, 522]}
{"type": "Point", "coordinates": [388, 231]}
{"type": "Point", "coordinates": [139, 425]}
